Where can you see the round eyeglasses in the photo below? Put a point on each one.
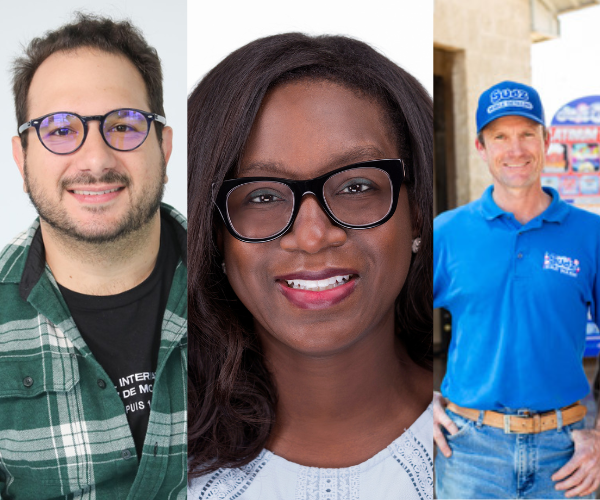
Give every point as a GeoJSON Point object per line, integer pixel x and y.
{"type": "Point", "coordinates": [63, 133]}
{"type": "Point", "coordinates": [358, 196]}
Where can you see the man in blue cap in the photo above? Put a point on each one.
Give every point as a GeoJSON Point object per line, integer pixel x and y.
{"type": "Point", "coordinates": [519, 271]}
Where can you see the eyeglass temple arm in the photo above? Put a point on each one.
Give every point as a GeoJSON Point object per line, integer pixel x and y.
{"type": "Point", "coordinates": [25, 126]}
{"type": "Point", "coordinates": [160, 119]}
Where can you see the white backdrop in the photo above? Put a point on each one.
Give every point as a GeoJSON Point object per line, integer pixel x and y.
{"type": "Point", "coordinates": [163, 24]}
{"type": "Point", "coordinates": [400, 29]}
{"type": "Point", "coordinates": [567, 68]}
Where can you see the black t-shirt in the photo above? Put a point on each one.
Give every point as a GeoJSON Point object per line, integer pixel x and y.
{"type": "Point", "coordinates": [123, 332]}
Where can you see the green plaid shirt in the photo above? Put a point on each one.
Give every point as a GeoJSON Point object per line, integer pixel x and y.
{"type": "Point", "coordinates": [63, 427]}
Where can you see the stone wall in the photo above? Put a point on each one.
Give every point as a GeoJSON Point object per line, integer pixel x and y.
{"type": "Point", "coordinates": [487, 42]}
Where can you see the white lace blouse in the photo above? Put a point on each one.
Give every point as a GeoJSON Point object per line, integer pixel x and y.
{"type": "Point", "coordinates": [403, 470]}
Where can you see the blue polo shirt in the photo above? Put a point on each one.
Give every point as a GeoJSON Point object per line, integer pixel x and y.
{"type": "Point", "coordinates": [519, 297]}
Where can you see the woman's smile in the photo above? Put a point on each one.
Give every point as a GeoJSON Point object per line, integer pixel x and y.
{"type": "Point", "coordinates": [319, 285]}
{"type": "Point", "coordinates": [317, 290]}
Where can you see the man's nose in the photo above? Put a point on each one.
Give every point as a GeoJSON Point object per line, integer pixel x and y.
{"type": "Point", "coordinates": [516, 146]}
{"type": "Point", "coordinates": [313, 230]}
{"type": "Point", "coordinates": [95, 156]}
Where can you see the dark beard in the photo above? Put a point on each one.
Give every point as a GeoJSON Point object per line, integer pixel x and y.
{"type": "Point", "coordinates": [137, 217]}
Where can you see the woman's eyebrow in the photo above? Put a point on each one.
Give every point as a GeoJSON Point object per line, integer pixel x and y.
{"type": "Point", "coordinates": [336, 160]}
{"type": "Point", "coordinates": [264, 168]}
{"type": "Point", "coordinates": [354, 155]}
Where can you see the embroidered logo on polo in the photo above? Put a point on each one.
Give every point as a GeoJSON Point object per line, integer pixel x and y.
{"type": "Point", "coordinates": [507, 98]}
{"type": "Point", "coordinates": [561, 264]}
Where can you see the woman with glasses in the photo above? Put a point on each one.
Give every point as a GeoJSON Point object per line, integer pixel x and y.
{"type": "Point", "coordinates": [310, 219]}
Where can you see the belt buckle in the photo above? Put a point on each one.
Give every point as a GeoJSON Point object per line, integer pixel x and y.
{"type": "Point", "coordinates": [506, 424]}
{"type": "Point", "coordinates": [535, 419]}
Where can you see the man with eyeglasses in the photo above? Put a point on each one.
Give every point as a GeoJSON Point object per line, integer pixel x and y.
{"type": "Point", "coordinates": [93, 297]}
{"type": "Point", "coordinates": [519, 270]}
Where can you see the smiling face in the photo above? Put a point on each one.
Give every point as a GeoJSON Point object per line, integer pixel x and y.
{"type": "Point", "coordinates": [514, 149]}
{"type": "Point", "coordinates": [95, 194]}
{"type": "Point", "coordinates": [303, 130]}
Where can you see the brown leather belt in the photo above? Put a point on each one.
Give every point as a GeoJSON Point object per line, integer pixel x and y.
{"type": "Point", "coordinates": [523, 424]}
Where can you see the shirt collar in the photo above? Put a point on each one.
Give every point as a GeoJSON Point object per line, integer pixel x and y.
{"type": "Point", "coordinates": [23, 261]}
{"type": "Point", "coordinates": [489, 209]}
{"type": "Point", "coordinates": [556, 211]}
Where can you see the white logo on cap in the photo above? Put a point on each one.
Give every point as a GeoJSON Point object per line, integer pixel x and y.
{"type": "Point", "coordinates": [516, 94]}
{"type": "Point", "coordinates": [507, 98]}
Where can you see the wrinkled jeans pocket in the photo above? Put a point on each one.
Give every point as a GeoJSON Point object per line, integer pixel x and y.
{"type": "Point", "coordinates": [464, 426]}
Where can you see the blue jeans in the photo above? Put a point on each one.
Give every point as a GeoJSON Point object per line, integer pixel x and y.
{"type": "Point", "coordinates": [487, 463]}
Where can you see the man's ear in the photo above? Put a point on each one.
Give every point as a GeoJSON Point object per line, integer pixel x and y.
{"type": "Point", "coordinates": [481, 150]}
{"type": "Point", "coordinates": [167, 146]}
{"type": "Point", "coordinates": [547, 141]}
{"type": "Point", "coordinates": [19, 157]}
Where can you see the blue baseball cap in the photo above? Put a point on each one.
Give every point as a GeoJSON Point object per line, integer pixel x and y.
{"type": "Point", "coordinates": [509, 99]}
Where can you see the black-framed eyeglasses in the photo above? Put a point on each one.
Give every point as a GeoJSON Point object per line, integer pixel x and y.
{"type": "Point", "coordinates": [358, 196]}
{"type": "Point", "coordinates": [64, 132]}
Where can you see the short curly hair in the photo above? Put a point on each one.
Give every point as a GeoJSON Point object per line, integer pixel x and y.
{"type": "Point", "coordinates": [95, 32]}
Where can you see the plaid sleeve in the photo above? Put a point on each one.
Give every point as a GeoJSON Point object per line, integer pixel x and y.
{"type": "Point", "coordinates": [63, 427]}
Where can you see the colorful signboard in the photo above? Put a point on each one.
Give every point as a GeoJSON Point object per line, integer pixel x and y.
{"type": "Point", "coordinates": [573, 167]}
{"type": "Point", "coordinates": [573, 160]}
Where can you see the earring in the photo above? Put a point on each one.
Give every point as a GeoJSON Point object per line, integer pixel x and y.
{"type": "Point", "coordinates": [224, 267]}
{"type": "Point", "coordinates": [416, 244]}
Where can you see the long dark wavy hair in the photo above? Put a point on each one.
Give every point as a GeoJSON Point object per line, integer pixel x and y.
{"type": "Point", "coordinates": [232, 397]}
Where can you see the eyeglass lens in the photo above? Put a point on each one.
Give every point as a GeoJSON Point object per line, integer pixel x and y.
{"type": "Point", "coordinates": [357, 197]}
{"type": "Point", "coordinates": [123, 129]}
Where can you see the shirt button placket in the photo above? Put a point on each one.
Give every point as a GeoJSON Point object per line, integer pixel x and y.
{"type": "Point", "coordinates": [520, 255]}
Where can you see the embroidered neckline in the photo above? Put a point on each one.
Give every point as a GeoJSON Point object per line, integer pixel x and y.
{"type": "Point", "coordinates": [408, 450]}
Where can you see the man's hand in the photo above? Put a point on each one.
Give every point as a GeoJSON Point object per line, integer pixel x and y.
{"type": "Point", "coordinates": [582, 472]}
{"type": "Point", "coordinates": [441, 419]}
